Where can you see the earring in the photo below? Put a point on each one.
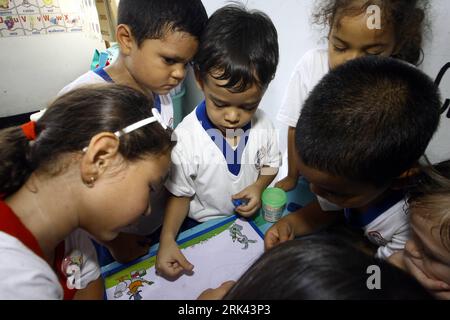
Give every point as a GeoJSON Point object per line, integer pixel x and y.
{"type": "Point", "coordinates": [90, 183]}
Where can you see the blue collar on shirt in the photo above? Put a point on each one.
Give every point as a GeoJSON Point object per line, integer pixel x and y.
{"type": "Point", "coordinates": [102, 73]}
{"type": "Point", "coordinates": [157, 103]}
{"type": "Point", "coordinates": [361, 220]}
{"type": "Point", "coordinates": [105, 76]}
{"type": "Point", "coordinates": [234, 164]}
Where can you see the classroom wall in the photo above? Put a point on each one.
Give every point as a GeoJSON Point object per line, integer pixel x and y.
{"type": "Point", "coordinates": [34, 69]}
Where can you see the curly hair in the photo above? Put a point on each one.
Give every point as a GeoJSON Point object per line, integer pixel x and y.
{"type": "Point", "coordinates": [408, 18]}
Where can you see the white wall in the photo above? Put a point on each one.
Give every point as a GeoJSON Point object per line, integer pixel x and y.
{"type": "Point", "coordinates": [33, 69]}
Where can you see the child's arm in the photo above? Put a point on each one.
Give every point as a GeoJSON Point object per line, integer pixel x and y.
{"type": "Point", "coordinates": [169, 260]}
{"type": "Point", "coordinates": [93, 291]}
{"type": "Point", "coordinates": [290, 181]}
{"type": "Point", "coordinates": [253, 192]}
{"type": "Point", "coordinates": [305, 221]}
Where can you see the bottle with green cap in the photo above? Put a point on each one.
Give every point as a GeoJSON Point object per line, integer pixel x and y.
{"type": "Point", "coordinates": [273, 204]}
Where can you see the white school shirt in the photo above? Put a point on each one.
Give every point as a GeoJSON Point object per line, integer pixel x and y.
{"type": "Point", "coordinates": [308, 72]}
{"type": "Point", "coordinates": [199, 169]}
{"type": "Point", "coordinates": [162, 102]}
{"type": "Point", "coordinates": [386, 225]}
{"type": "Point", "coordinates": [25, 275]}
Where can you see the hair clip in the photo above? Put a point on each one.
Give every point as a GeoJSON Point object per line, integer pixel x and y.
{"type": "Point", "coordinates": [155, 118]}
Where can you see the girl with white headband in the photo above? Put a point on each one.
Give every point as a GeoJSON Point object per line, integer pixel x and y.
{"type": "Point", "coordinates": [82, 170]}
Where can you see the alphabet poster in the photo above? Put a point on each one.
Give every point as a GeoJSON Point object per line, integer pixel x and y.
{"type": "Point", "coordinates": [37, 17]}
{"type": "Point", "coordinates": [219, 253]}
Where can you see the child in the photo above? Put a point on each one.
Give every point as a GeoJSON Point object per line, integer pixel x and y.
{"type": "Point", "coordinates": [227, 149]}
{"type": "Point", "coordinates": [427, 252]}
{"type": "Point", "coordinates": [361, 133]}
{"type": "Point", "coordinates": [349, 36]}
{"type": "Point", "coordinates": [319, 267]}
{"type": "Point", "coordinates": [157, 40]}
{"type": "Point", "coordinates": [84, 167]}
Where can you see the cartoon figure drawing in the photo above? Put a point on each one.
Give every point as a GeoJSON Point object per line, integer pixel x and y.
{"type": "Point", "coordinates": [4, 4]}
{"type": "Point", "coordinates": [236, 234]}
{"type": "Point", "coordinates": [9, 22]}
{"type": "Point", "coordinates": [132, 285]}
{"type": "Point", "coordinates": [71, 267]}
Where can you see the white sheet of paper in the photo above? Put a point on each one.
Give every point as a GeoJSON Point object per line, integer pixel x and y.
{"type": "Point", "coordinates": [215, 261]}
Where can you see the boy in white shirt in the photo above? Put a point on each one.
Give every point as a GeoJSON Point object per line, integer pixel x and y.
{"type": "Point", "coordinates": [359, 137]}
{"type": "Point", "coordinates": [226, 149]}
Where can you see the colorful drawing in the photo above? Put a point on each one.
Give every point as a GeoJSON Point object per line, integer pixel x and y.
{"type": "Point", "coordinates": [4, 4]}
{"type": "Point", "coordinates": [9, 22]}
{"type": "Point", "coordinates": [132, 285]}
{"type": "Point", "coordinates": [236, 234]}
{"type": "Point", "coordinates": [215, 257]}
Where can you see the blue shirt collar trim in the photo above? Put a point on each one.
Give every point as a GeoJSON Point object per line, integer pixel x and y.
{"type": "Point", "coordinates": [361, 220]}
{"type": "Point", "coordinates": [102, 73]}
{"type": "Point", "coordinates": [157, 103]}
{"type": "Point", "coordinates": [232, 157]}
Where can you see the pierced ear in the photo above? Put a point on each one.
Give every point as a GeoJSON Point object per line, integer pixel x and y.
{"type": "Point", "coordinates": [124, 38]}
{"type": "Point", "coordinates": [101, 152]}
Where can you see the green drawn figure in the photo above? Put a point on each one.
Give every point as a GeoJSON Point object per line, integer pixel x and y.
{"type": "Point", "coordinates": [236, 234]}
{"type": "Point", "coordinates": [132, 285]}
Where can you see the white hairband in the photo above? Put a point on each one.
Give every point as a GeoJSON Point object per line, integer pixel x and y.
{"type": "Point", "coordinates": [155, 118]}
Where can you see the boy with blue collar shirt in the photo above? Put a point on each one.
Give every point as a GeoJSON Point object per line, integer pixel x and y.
{"type": "Point", "coordinates": [226, 148]}
{"type": "Point", "coordinates": [157, 40]}
{"type": "Point", "coordinates": [359, 137]}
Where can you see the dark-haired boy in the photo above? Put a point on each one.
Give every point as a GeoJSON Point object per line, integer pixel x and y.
{"type": "Point", "coordinates": [226, 149]}
{"type": "Point", "coordinates": [361, 132]}
{"type": "Point", "coordinates": [157, 40]}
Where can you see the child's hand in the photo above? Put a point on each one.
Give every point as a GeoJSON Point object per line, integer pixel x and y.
{"type": "Point", "coordinates": [287, 183]}
{"type": "Point", "coordinates": [170, 262]}
{"type": "Point", "coordinates": [439, 289]}
{"type": "Point", "coordinates": [278, 233]}
{"type": "Point", "coordinates": [128, 247]}
{"type": "Point", "coordinates": [253, 195]}
{"type": "Point", "coordinates": [217, 293]}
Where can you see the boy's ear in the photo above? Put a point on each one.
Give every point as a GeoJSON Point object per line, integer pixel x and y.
{"type": "Point", "coordinates": [404, 179]}
{"type": "Point", "coordinates": [103, 149]}
{"type": "Point", "coordinates": [124, 38]}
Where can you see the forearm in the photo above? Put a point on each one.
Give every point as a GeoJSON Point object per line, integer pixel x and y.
{"type": "Point", "coordinates": [292, 158]}
{"type": "Point", "coordinates": [176, 211]}
{"type": "Point", "coordinates": [93, 291]}
{"type": "Point", "coordinates": [310, 219]}
{"type": "Point", "coordinates": [264, 180]}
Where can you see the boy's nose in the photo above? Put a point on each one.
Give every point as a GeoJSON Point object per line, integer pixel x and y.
{"type": "Point", "coordinates": [353, 55]}
{"type": "Point", "coordinates": [179, 72]}
{"type": "Point", "coordinates": [232, 116]}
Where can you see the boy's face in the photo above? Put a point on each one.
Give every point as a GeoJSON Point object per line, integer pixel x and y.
{"type": "Point", "coordinates": [341, 191]}
{"type": "Point", "coordinates": [351, 38]}
{"type": "Point", "coordinates": [160, 65]}
{"type": "Point", "coordinates": [425, 255]}
{"type": "Point", "coordinates": [229, 110]}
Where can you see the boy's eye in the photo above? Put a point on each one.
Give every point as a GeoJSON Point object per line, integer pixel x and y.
{"type": "Point", "coordinates": [374, 53]}
{"type": "Point", "coordinates": [219, 105]}
{"type": "Point", "coordinates": [169, 61]}
{"type": "Point", "coordinates": [339, 49]}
